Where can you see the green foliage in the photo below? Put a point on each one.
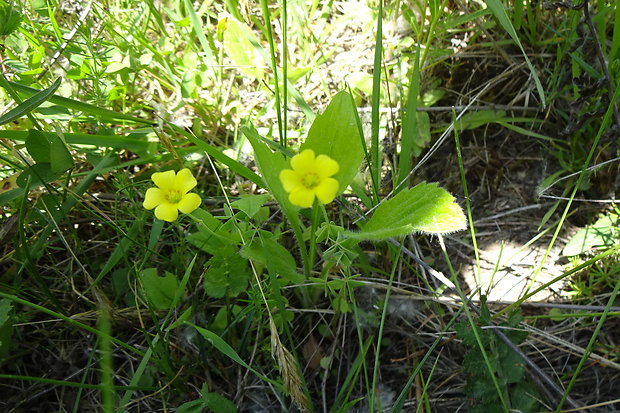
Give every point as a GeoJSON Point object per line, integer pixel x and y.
{"type": "Point", "coordinates": [226, 274]}
{"type": "Point", "coordinates": [250, 204]}
{"type": "Point", "coordinates": [334, 133]}
{"type": "Point", "coordinates": [507, 366]}
{"type": "Point", "coordinates": [213, 401]}
{"type": "Point", "coordinates": [213, 234]}
{"type": "Point", "coordinates": [46, 149]}
{"type": "Point", "coordinates": [10, 19]}
{"type": "Point", "coordinates": [603, 233]}
{"type": "Point", "coordinates": [275, 257]}
{"type": "Point", "coordinates": [243, 47]}
{"type": "Point", "coordinates": [6, 327]}
{"type": "Point", "coordinates": [159, 291]}
{"type": "Point", "coordinates": [423, 208]}
{"type": "Point", "coordinates": [29, 104]}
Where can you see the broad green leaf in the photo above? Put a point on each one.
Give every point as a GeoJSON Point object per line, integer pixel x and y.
{"type": "Point", "coordinates": [603, 233]}
{"type": "Point", "coordinates": [226, 274]}
{"type": "Point", "coordinates": [335, 134]}
{"type": "Point", "coordinates": [423, 208]}
{"type": "Point", "coordinates": [38, 146]}
{"type": "Point", "coordinates": [511, 366]}
{"type": "Point", "coordinates": [49, 148]}
{"type": "Point", "coordinates": [243, 48]}
{"type": "Point", "coordinates": [270, 164]}
{"type": "Point", "coordinates": [7, 196]}
{"type": "Point", "coordinates": [213, 234]}
{"type": "Point", "coordinates": [250, 204]}
{"type": "Point", "coordinates": [30, 104]}
{"type": "Point", "coordinates": [473, 120]}
{"type": "Point", "coordinates": [218, 403]}
{"type": "Point", "coordinates": [160, 291]}
{"type": "Point", "coordinates": [273, 255]}
{"type": "Point", "coordinates": [60, 158]}
{"type": "Point", "coordinates": [39, 174]}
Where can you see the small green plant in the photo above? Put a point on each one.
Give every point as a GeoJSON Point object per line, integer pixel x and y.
{"type": "Point", "coordinates": [506, 365]}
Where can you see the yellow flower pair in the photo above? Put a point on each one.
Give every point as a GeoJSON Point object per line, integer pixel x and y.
{"type": "Point", "coordinates": [309, 178]}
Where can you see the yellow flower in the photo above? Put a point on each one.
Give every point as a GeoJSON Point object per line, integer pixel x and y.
{"type": "Point", "coordinates": [310, 177]}
{"type": "Point", "coordinates": [171, 194]}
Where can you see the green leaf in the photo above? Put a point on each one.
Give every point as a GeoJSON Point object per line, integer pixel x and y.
{"type": "Point", "coordinates": [335, 134]}
{"type": "Point", "coordinates": [39, 174]}
{"type": "Point", "coordinates": [6, 327]}
{"type": "Point", "coordinates": [511, 366]}
{"type": "Point", "coordinates": [226, 274]}
{"type": "Point", "coordinates": [424, 208]}
{"type": "Point", "coordinates": [422, 134]}
{"type": "Point", "coordinates": [49, 149]}
{"type": "Point", "coordinates": [473, 120]}
{"type": "Point", "coordinates": [250, 204]}
{"type": "Point", "coordinates": [30, 104]}
{"type": "Point", "coordinates": [160, 291]}
{"type": "Point", "coordinates": [243, 48]}
{"type": "Point", "coordinates": [218, 403]}
{"type": "Point", "coordinates": [105, 141]}
{"type": "Point", "coordinates": [79, 106]}
{"type": "Point", "coordinates": [38, 146]}
{"type": "Point", "coordinates": [194, 406]}
{"type": "Point", "coordinates": [273, 255]}
{"type": "Point", "coordinates": [465, 333]}
{"type": "Point", "coordinates": [10, 19]}
{"type": "Point", "coordinates": [270, 164]}
{"type": "Point", "coordinates": [213, 234]}
{"type": "Point", "coordinates": [228, 351]}
{"type": "Point", "coordinates": [603, 233]}
{"type": "Point", "coordinates": [60, 157]}
{"type": "Point", "coordinates": [524, 398]}
{"type": "Point", "coordinates": [481, 388]}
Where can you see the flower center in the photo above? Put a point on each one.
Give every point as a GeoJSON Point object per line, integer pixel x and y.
{"type": "Point", "coordinates": [310, 180]}
{"type": "Point", "coordinates": [174, 196]}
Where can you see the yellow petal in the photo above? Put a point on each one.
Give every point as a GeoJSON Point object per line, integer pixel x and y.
{"type": "Point", "coordinates": [153, 197]}
{"type": "Point", "coordinates": [326, 190]}
{"type": "Point", "coordinates": [185, 181]}
{"type": "Point", "coordinates": [290, 180]}
{"type": "Point", "coordinates": [189, 202]}
{"type": "Point", "coordinates": [164, 180]}
{"type": "Point", "coordinates": [166, 212]}
{"type": "Point", "coordinates": [303, 162]}
{"type": "Point", "coordinates": [326, 166]}
{"type": "Point", "coordinates": [302, 197]}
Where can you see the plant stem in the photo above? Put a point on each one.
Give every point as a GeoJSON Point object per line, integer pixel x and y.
{"type": "Point", "coordinates": [316, 211]}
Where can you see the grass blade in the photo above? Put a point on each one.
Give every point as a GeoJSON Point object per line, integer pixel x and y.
{"type": "Point", "coordinates": [375, 166]}
{"type": "Point", "coordinates": [500, 14]}
{"type": "Point", "coordinates": [30, 104]}
{"type": "Point", "coordinates": [410, 123]}
{"type": "Point", "coordinates": [81, 106]}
